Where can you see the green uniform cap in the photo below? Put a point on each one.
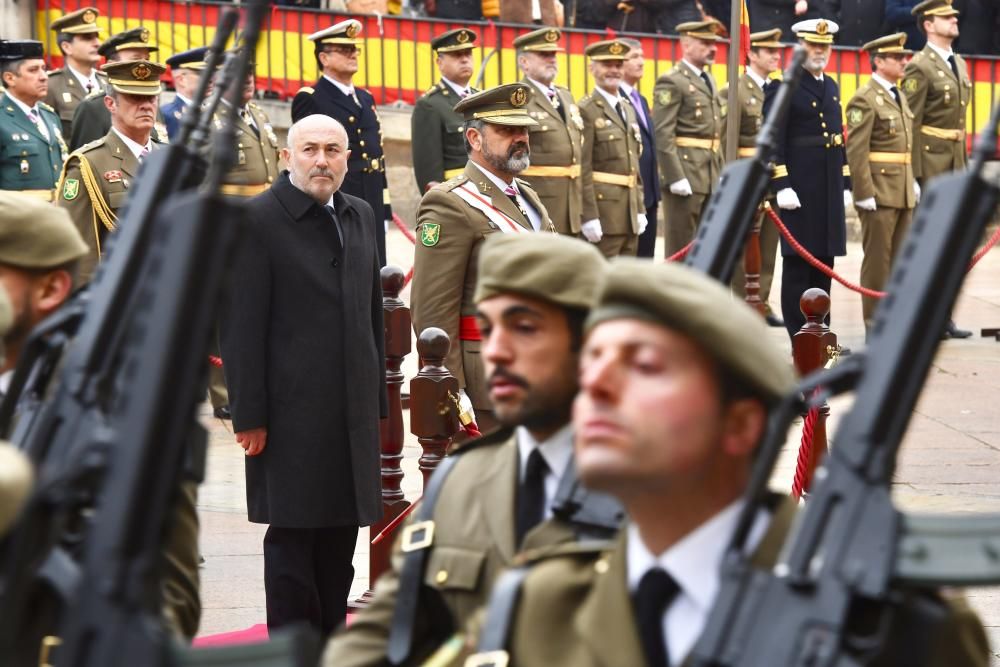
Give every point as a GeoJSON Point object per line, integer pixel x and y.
{"type": "Point", "coordinates": [609, 49]}
{"type": "Point", "coordinates": [888, 44]}
{"type": "Point", "coordinates": [454, 40]}
{"type": "Point", "coordinates": [135, 77]}
{"type": "Point", "coordinates": [934, 8]}
{"type": "Point", "coordinates": [545, 39]}
{"type": "Point", "coordinates": [680, 298]}
{"type": "Point", "coordinates": [706, 30]}
{"type": "Point", "coordinates": [345, 32]}
{"type": "Point", "coordinates": [34, 234]}
{"type": "Point", "coordinates": [81, 22]}
{"type": "Point", "coordinates": [20, 49]}
{"type": "Point", "coordinates": [503, 105]}
{"type": "Point", "coordinates": [769, 39]}
{"type": "Point", "coordinates": [559, 269]}
{"type": "Point", "coordinates": [136, 38]}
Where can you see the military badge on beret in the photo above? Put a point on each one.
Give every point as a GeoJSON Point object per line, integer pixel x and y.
{"type": "Point", "coordinates": [71, 188]}
{"type": "Point", "coordinates": [854, 116]}
{"type": "Point", "coordinates": [430, 233]}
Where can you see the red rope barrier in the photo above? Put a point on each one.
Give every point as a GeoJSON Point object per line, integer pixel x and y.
{"type": "Point", "coordinates": [803, 476]}
{"type": "Point", "coordinates": [215, 361]}
{"type": "Point", "coordinates": [401, 226]}
{"type": "Point", "coordinates": [680, 254]}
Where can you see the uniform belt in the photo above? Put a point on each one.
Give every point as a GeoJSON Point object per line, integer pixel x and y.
{"type": "Point", "coordinates": [941, 133]}
{"type": "Point", "coordinates": [748, 151]}
{"type": "Point", "coordinates": [468, 329]}
{"type": "Point", "coordinates": [891, 158]}
{"type": "Point", "coordinates": [572, 171]}
{"type": "Point", "coordinates": [696, 142]}
{"type": "Point", "coordinates": [41, 194]}
{"type": "Point", "coordinates": [452, 173]}
{"type": "Point", "coordinates": [833, 141]}
{"type": "Point", "coordinates": [614, 179]}
{"type": "Point", "coordinates": [243, 190]}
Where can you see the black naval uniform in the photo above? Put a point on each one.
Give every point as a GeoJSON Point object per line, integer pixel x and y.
{"type": "Point", "coordinates": [811, 160]}
{"type": "Point", "coordinates": [366, 166]}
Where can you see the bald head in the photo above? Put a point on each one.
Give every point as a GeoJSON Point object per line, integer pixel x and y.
{"type": "Point", "coordinates": [316, 156]}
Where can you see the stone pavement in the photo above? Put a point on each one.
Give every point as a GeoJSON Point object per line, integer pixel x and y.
{"type": "Point", "coordinates": [948, 464]}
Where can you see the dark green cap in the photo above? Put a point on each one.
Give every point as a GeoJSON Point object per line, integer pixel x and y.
{"type": "Point", "coordinates": [34, 234]}
{"type": "Point", "coordinates": [454, 40]}
{"type": "Point", "coordinates": [503, 105]}
{"type": "Point", "coordinates": [136, 38]}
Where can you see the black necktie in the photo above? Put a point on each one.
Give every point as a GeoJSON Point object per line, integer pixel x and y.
{"type": "Point", "coordinates": [656, 591]}
{"type": "Point", "coordinates": [954, 67]}
{"type": "Point", "coordinates": [895, 93]}
{"type": "Point", "coordinates": [708, 82]}
{"type": "Point", "coordinates": [248, 119]}
{"type": "Point", "coordinates": [336, 223]}
{"type": "Point", "coordinates": [621, 111]}
{"type": "Point", "coordinates": [531, 495]}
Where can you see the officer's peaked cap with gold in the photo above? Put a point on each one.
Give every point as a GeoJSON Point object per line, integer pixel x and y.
{"type": "Point", "coordinates": [769, 39]}
{"type": "Point", "coordinates": [888, 44]}
{"type": "Point", "coordinates": [136, 38]}
{"type": "Point", "coordinates": [345, 32]}
{"type": "Point", "coordinates": [545, 39]}
{"type": "Point", "coordinates": [503, 105]}
{"type": "Point", "coordinates": [20, 49]}
{"type": "Point", "coordinates": [81, 22]}
{"type": "Point", "coordinates": [34, 234]}
{"type": "Point", "coordinates": [459, 39]}
{"type": "Point", "coordinates": [816, 31]}
{"type": "Point", "coordinates": [609, 49]}
{"type": "Point", "coordinates": [190, 59]}
{"type": "Point", "coordinates": [135, 77]}
{"type": "Point", "coordinates": [934, 8]}
{"type": "Point", "coordinates": [708, 30]}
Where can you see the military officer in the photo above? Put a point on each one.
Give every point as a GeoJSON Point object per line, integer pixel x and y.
{"type": "Point", "coordinates": [97, 177]}
{"type": "Point", "coordinates": [498, 495]}
{"type": "Point", "coordinates": [79, 39]}
{"type": "Point", "coordinates": [762, 60]}
{"type": "Point", "coordinates": [186, 69]}
{"type": "Point", "coordinates": [91, 119]}
{"type": "Point", "coordinates": [879, 149]}
{"type": "Point", "coordinates": [688, 120]}
{"type": "Point", "coordinates": [811, 176]}
{"type": "Point", "coordinates": [938, 90]}
{"type": "Point", "coordinates": [556, 140]}
{"type": "Point", "coordinates": [31, 143]}
{"type": "Point", "coordinates": [673, 403]}
{"type": "Point", "coordinates": [256, 148]}
{"type": "Point", "coordinates": [335, 95]}
{"type": "Point", "coordinates": [437, 144]}
{"type": "Point", "coordinates": [454, 218]}
{"type": "Point", "coordinates": [613, 213]}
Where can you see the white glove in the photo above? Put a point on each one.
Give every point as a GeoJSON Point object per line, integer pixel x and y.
{"type": "Point", "coordinates": [642, 222]}
{"type": "Point", "coordinates": [865, 204]}
{"type": "Point", "coordinates": [916, 191]}
{"type": "Point", "coordinates": [787, 199]}
{"type": "Point", "coordinates": [848, 199]}
{"type": "Point", "coordinates": [386, 226]}
{"type": "Point", "coordinates": [681, 187]}
{"type": "Point", "coordinates": [592, 230]}
{"type": "Point", "coordinates": [465, 404]}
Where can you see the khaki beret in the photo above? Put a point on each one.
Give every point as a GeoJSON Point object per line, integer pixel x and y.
{"type": "Point", "coordinates": [34, 234]}
{"type": "Point", "coordinates": [679, 297]}
{"type": "Point", "coordinates": [559, 269]}
{"type": "Point", "coordinates": [15, 484]}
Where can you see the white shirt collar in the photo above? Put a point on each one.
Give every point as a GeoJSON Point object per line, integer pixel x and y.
{"type": "Point", "coordinates": [133, 146]}
{"type": "Point", "coordinates": [756, 78]}
{"type": "Point", "coordinates": [697, 70]}
{"type": "Point", "coordinates": [496, 180]}
{"type": "Point", "coordinates": [183, 99]}
{"type": "Point", "coordinates": [345, 89]}
{"type": "Point", "coordinates": [454, 86]}
{"type": "Point", "coordinates": [22, 106]}
{"type": "Point", "coordinates": [84, 80]}
{"type": "Point", "coordinates": [542, 87]}
{"type": "Point", "coordinates": [888, 85]}
{"type": "Point", "coordinates": [941, 52]}
{"type": "Point", "coordinates": [612, 99]}
{"type": "Point", "coordinates": [557, 451]}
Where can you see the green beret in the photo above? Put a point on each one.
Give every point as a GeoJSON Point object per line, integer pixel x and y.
{"type": "Point", "coordinates": [678, 297]}
{"type": "Point", "coordinates": [34, 234]}
{"type": "Point", "coordinates": [559, 269]}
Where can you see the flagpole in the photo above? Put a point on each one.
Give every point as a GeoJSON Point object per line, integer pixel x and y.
{"type": "Point", "coordinates": [732, 76]}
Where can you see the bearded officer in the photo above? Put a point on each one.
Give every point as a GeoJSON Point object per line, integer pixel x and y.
{"type": "Point", "coordinates": [186, 68]}
{"type": "Point", "coordinates": [79, 39]}
{"type": "Point", "coordinates": [613, 211]}
{"type": "Point", "coordinates": [97, 177]}
{"type": "Point", "coordinates": [557, 138]}
{"type": "Point", "coordinates": [437, 145]}
{"type": "Point", "coordinates": [454, 218]}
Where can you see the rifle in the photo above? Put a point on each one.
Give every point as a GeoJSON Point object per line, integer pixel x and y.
{"type": "Point", "coordinates": [851, 550]}
{"type": "Point", "coordinates": [728, 218]}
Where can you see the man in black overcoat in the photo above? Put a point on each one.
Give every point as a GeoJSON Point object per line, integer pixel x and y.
{"type": "Point", "coordinates": [811, 177]}
{"type": "Point", "coordinates": [302, 348]}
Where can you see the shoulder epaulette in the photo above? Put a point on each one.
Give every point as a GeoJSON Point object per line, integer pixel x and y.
{"type": "Point", "coordinates": [452, 182]}
{"type": "Point", "coordinates": [47, 107]}
{"type": "Point", "coordinates": [309, 90]}
{"type": "Point", "coordinates": [58, 70]}
{"type": "Point", "coordinates": [587, 549]}
{"type": "Point", "coordinates": [89, 146]}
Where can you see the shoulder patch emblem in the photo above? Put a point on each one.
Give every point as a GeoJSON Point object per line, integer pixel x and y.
{"type": "Point", "coordinates": [430, 233]}
{"type": "Point", "coordinates": [854, 116]}
{"type": "Point", "coordinates": [71, 189]}
{"type": "Point", "coordinates": [664, 97]}
{"type": "Point", "coordinates": [909, 85]}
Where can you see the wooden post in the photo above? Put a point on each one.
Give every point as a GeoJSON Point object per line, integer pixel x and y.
{"type": "Point", "coordinates": [751, 266]}
{"type": "Point", "coordinates": [433, 413]}
{"type": "Point", "coordinates": [812, 348]}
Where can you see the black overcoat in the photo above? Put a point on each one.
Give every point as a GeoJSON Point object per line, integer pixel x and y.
{"type": "Point", "coordinates": [303, 352]}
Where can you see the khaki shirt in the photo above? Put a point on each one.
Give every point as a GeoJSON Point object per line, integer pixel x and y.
{"type": "Point", "coordinates": [65, 93]}
{"type": "Point", "coordinates": [879, 145]}
{"type": "Point", "coordinates": [750, 116]}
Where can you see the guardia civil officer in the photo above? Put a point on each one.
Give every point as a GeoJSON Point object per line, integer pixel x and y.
{"type": "Point", "coordinates": [335, 95]}
{"type": "Point", "coordinates": [32, 149]}
{"type": "Point", "coordinates": [186, 69]}
{"type": "Point", "coordinates": [454, 218]}
{"type": "Point", "coordinates": [556, 138]}
{"type": "Point", "coordinates": [437, 144]}
{"type": "Point", "coordinates": [79, 39]}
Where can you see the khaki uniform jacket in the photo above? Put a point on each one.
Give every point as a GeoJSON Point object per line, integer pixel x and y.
{"type": "Point", "coordinates": [438, 142]}
{"type": "Point", "coordinates": [556, 143]}
{"type": "Point", "coordinates": [611, 150]}
{"type": "Point", "coordinates": [684, 107]}
{"type": "Point", "coordinates": [939, 103]}
{"type": "Point", "coordinates": [95, 182]}
{"type": "Point", "coordinates": [256, 165]}
{"type": "Point", "coordinates": [449, 233]}
{"type": "Point", "coordinates": [879, 143]}
{"type": "Point", "coordinates": [750, 98]}
{"type": "Point", "coordinates": [28, 161]}
{"type": "Point", "coordinates": [473, 542]}
{"type": "Point", "coordinates": [65, 93]}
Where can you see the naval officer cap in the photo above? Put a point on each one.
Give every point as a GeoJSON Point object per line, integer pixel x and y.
{"type": "Point", "coordinates": [768, 39]}
{"type": "Point", "coordinates": [345, 32]}
{"type": "Point", "coordinates": [460, 39]}
{"type": "Point", "coordinates": [550, 267]}
{"type": "Point", "coordinates": [20, 49]}
{"type": "Point", "coordinates": [934, 8]}
{"type": "Point", "coordinates": [503, 105]}
{"type": "Point", "coordinates": [136, 38]}
{"type": "Point", "coordinates": [888, 45]}
{"type": "Point", "coordinates": [34, 234]}
{"type": "Point", "coordinates": [81, 22]}
{"type": "Point", "coordinates": [609, 49]}
{"type": "Point", "coordinates": [816, 31]}
{"type": "Point", "coordinates": [709, 30]}
{"type": "Point", "coordinates": [544, 39]}
{"type": "Point", "coordinates": [135, 77]}
{"type": "Point", "coordinates": [683, 299]}
{"type": "Point", "coordinates": [193, 59]}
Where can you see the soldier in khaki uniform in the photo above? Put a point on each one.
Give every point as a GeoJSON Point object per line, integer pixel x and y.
{"type": "Point", "coordinates": [79, 39]}
{"type": "Point", "coordinates": [688, 119]}
{"type": "Point", "coordinates": [613, 212]}
{"type": "Point", "coordinates": [763, 59]}
{"type": "Point", "coordinates": [879, 149]}
{"type": "Point", "coordinates": [938, 90]}
{"type": "Point", "coordinates": [680, 432]}
{"type": "Point", "coordinates": [438, 146]}
{"type": "Point", "coordinates": [556, 143]}
{"type": "Point", "coordinates": [96, 178]}
{"type": "Point", "coordinates": [496, 495]}
{"type": "Point", "coordinates": [454, 218]}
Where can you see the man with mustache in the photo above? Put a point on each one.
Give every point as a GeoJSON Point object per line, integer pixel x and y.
{"type": "Point", "coordinates": [495, 496]}
{"type": "Point", "coordinates": [456, 216]}
{"type": "Point", "coordinates": [97, 177]}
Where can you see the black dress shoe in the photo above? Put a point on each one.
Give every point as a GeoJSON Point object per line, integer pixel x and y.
{"type": "Point", "coordinates": [222, 412]}
{"type": "Point", "coordinates": [952, 331]}
{"type": "Point", "coordinates": [773, 320]}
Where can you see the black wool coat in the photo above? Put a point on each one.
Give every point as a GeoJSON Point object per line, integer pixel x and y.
{"type": "Point", "coordinates": [303, 352]}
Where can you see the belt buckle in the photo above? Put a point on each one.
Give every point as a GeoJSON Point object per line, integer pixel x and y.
{"type": "Point", "coordinates": [418, 536]}
{"type": "Point", "coordinates": [488, 659]}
